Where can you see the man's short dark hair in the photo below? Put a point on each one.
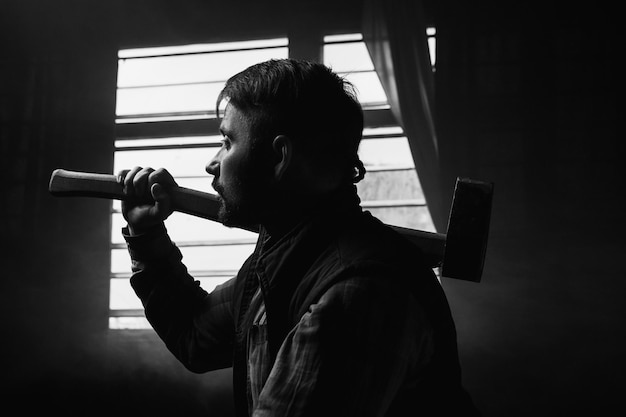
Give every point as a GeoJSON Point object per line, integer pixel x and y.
{"type": "Point", "coordinates": [306, 101]}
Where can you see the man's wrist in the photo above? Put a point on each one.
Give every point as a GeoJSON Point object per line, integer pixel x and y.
{"type": "Point", "coordinates": [151, 244]}
{"type": "Point", "coordinates": [131, 230]}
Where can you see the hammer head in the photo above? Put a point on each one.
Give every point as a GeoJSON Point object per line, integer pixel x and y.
{"type": "Point", "coordinates": [468, 230]}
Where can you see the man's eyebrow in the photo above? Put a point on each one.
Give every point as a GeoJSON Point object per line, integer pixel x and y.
{"type": "Point", "coordinates": [224, 131]}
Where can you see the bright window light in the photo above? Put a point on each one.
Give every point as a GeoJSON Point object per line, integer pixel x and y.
{"type": "Point", "coordinates": [183, 81]}
{"type": "Point", "coordinates": [347, 55]}
{"type": "Point", "coordinates": [391, 189]}
{"type": "Point", "coordinates": [178, 84]}
{"type": "Point", "coordinates": [432, 45]}
{"type": "Point", "coordinates": [204, 47]}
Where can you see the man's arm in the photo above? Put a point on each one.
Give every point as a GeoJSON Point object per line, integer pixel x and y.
{"type": "Point", "coordinates": [196, 326]}
{"type": "Point", "coordinates": [350, 354]}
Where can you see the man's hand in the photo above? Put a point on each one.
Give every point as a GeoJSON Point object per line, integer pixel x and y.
{"type": "Point", "coordinates": [147, 202]}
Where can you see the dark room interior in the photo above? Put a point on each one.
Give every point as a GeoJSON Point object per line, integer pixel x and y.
{"type": "Point", "coordinates": [525, 97]}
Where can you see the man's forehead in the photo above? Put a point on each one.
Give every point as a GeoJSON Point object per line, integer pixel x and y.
{"type": "Point", "coordinates": [233, 119]}
{"type": "Point", "coordinates": [227, 118]}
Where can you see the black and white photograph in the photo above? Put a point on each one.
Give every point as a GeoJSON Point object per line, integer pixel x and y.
{"type": "Point", "coordinates": [311, 208]}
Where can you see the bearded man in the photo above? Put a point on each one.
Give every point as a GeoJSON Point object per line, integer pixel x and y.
{"type": "Point", "coordinates": [334, 314]}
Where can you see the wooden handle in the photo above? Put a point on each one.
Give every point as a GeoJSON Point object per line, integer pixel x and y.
{"type": "Point", "coordinates": [65, 183]}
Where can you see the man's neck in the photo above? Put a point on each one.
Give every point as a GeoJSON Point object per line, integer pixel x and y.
{"type": "Point", "coordinates": [284, 217]}
{"type": "Point", "coordinates": [293, 210]}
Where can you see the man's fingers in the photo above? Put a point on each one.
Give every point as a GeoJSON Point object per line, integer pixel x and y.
{"type": "Point", "coordinates": [161, 176]}
{"type": "Point", "coordinates": [129, 178]}
{"type": "Point", "coordinates": [141, 186]}
{"type": "Point", "coordinates": [121, 175]}
{"type": "Point", "coordinates": [147, 199]}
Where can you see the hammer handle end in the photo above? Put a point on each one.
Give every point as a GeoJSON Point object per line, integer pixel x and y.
{"type": "Point", "coordinates": [85, 184]}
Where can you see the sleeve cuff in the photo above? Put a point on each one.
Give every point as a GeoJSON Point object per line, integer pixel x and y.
{"type": "Point", "coordinates": [152, 245]}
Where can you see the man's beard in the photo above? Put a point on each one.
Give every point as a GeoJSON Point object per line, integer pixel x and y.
{"type": "Point", "coordinates": [243, 208]}
{"type": "Point", "coordinates": [231, 214]}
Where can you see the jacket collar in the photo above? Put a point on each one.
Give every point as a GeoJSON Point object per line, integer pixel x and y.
{"type": "Point", "coordinates": [283, 262]}
{"type": "Point", "coordinates": [275, 253]}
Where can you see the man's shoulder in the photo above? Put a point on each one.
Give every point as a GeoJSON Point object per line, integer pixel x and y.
{"type": "Point", "coordinates": [363, 253]}
{"type": "Point", "coordinates": [368, 240]}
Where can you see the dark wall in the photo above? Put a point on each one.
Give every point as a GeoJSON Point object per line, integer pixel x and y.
{"type": "Point", "coordinates": [526, 97]}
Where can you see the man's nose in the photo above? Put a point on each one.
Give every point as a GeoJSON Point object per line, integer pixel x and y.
{"type": "Point", "coordinates": [213, 167]}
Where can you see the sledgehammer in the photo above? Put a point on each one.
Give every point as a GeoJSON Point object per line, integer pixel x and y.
{"type": "Point", "coordinates": [460, 252]}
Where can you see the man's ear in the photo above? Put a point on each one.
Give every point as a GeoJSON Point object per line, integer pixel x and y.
{"type": "Point", "coordinates": [284, 154]}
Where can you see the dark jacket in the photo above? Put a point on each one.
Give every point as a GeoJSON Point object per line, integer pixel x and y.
{"type": "Point", "coordinates": [337, 242]}
{"type": "Point", "coordinates": [335, 245]}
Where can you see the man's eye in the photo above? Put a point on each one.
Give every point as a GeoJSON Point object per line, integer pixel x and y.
{"type": "Point", "coordinates": [225, 142]}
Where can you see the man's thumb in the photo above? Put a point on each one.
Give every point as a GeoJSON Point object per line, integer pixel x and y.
{"type": "Point", "coordinates": [162, 201]}
{"type": "Point", "coordinates": [158, 193]}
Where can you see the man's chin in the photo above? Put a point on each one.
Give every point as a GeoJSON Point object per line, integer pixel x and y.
{"type": "Point", "coordinates": [227, 219]}
{"type": "Point", "coordinates": [224, 215]}
{"type": "Point", "coordinates": [235, 218]}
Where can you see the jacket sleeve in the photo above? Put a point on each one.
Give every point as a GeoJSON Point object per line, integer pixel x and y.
{"type": "Point", "coordinates": [196, 326]}
{"type": "Point", "coordinates": [351, 354]}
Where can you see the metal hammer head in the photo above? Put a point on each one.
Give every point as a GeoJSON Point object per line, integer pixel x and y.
{"type": "Point", "coordinates": [468, 229]}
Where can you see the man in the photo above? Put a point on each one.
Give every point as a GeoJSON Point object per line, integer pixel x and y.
{"type": "Point", "coordinates": [334, 314]}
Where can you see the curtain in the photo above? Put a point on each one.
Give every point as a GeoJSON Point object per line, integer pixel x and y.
{"type": "Point", "coordinates": [395, 34]}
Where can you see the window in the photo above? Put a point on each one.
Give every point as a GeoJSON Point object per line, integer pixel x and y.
{"type": "Point", "coordinates": [166, 118]}
{"type": "Point", "coordinates": [391, 189]}
{"type": "Point", "coordinates": [431, 33]}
